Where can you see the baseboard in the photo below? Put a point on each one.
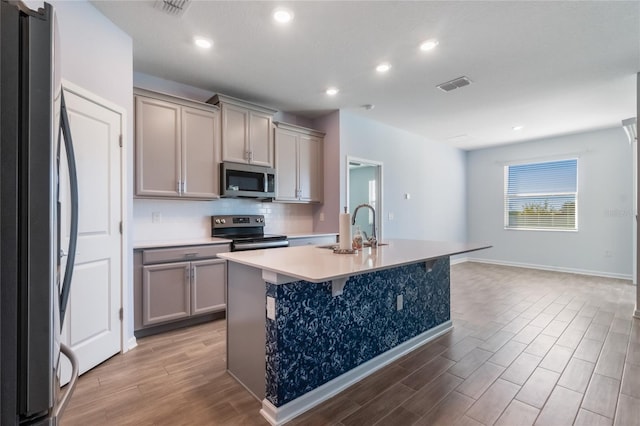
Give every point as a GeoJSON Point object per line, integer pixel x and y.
{"type": "Point", "coordinates": [458, 260]}
{"type": "Point", "coordinates": [131, 343]}
{"type": "Point", "coordinates": [551, 268]}
{"type": "Point", "coordinates": [280, 415]}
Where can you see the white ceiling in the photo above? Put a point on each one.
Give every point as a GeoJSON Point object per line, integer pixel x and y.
{"type": "Point", "coordinates": [552, 67]}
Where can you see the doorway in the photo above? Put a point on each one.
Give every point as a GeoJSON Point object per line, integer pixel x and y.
{"type": "Point", "coordinates": [364, 185]}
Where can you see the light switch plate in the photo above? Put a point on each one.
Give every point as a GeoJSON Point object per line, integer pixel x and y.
{"type": "Point", "coordinates": [271, 308]}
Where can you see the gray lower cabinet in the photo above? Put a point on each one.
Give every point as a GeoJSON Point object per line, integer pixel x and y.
{"type": "Point", "coordinates": [178, 283]}
{"type": "Point", "coordinates": [166, 292]}
{"type": "Point", "coordinates": [206, 297]}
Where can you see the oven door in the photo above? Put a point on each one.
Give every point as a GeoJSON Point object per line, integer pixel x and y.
{"type": "Point", "coordinates": [257, 243]}
{"type": "Point", "coordinates": [244, 180]}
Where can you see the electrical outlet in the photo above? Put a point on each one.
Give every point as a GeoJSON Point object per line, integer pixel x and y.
{"type": "Point", "coordinates": [271, 308]}
{"type": "Point", "coordinates": [399, 302]}
{"type": "Point", "coordinates": [322, 217]}
{"type": "Point", "coordinates": [156, 217]}
{"type": "Point", "coordinates": [407, 196]}
{"type": "Point", "coordinates": [391, 216]}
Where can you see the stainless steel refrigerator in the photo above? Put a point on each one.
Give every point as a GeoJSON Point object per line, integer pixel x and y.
{"type": "Point", "coordinates": [35, 142]}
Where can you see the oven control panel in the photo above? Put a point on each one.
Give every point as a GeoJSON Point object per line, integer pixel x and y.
{"type": "Point", "coordinates": [237, 221]}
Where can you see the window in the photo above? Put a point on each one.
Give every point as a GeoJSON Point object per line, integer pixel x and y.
{"type": "Point", "coordinates": [542, 195]}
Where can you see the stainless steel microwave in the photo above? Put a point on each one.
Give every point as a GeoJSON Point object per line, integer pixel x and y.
{"type": "Point", "coordinates": [246, 180]}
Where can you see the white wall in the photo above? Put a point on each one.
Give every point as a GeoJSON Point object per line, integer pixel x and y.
{"type": "Point", "coordinates": [432, 173]}
{"type": "Point", "coordinates": [605, 210]}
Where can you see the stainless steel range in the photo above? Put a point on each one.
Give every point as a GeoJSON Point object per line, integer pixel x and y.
{"type": "Point", "coordinates": [246, 232]}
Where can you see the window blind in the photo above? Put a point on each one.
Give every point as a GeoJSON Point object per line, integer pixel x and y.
{"type": "Point", "coordinates": [542, 195]}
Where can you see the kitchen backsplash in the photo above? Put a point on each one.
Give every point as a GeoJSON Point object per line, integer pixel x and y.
{"type": "Point", "coordinates": [155, 220]}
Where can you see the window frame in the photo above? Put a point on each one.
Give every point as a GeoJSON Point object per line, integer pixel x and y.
{"type": "Point", "coordinates": [506, 197]}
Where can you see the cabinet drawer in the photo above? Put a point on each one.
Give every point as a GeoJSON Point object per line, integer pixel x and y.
{"type": "Point", "coordinates": [183, 253]}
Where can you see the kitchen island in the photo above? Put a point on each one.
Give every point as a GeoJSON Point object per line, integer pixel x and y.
{"type": "Point", "coordinates": [304, 323]}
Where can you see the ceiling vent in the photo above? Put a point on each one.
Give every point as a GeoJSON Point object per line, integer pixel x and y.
{"type": "Point", "coordinates": [454, 84]}
{"type": "Point", "coordinates": [173, 7]}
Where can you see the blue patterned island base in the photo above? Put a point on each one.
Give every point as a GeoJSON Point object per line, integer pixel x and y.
{"type": "Point", "coordinates": [317, 337]}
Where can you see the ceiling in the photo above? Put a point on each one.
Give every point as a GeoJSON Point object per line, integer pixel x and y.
{"type": "Point", "coordinates": [552, 67]}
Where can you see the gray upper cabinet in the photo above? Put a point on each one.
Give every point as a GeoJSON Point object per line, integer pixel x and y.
{"type": "Point", "coordinates": [177, 147]}
{"type": "Point", "coordinates": [299, 162]}
{"type": "Point", "coordinates": [246, 131]}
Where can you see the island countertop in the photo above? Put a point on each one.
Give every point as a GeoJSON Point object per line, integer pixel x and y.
{"type": "Point", "coordinates": [316, 264]}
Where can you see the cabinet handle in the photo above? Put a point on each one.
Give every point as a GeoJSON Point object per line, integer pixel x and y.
{"type": "Point", "coordinates": [184, 187]}
{"type": "Point", "coordinates": [178, 187]}
{"type": "Point", "coordinates": [187, 274]}
{"type": "Point", "coordinates": [193, 272]}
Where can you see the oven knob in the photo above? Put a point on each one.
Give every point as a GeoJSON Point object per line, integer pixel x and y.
{"type": "Point", "coordinates": [223, 221]}
{"type": "Point", "coordinates": [217, 221]}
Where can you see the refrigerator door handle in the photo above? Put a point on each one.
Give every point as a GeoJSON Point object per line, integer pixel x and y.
{"type": "Point", "coordinates": [73, 184]}
{"type": "Point", "coordinates": [64, 399]}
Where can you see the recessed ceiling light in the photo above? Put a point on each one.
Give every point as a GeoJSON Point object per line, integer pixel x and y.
{"type": "Point", "coordinates": [383, 67]}
{"type": "Point", "coordinates": [429, 44]}
{"type": "Point", "coordinates": [332, 91]}
{"type": "Point", "coordinates": [202, 42]}
{"type": "Point", "coordinates": [518, 128]}
{"type": "Point", "coordinates": [282, 16]}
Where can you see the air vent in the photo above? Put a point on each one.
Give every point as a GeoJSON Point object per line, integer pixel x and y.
{"type": "Point", "coordinates": [454, 84]}
{"type": "Point", "coordinates": [173, 7]}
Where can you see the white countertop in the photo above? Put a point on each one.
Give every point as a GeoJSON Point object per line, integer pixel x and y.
{"type": "Point", "coordinates": [180, 243]}
{"type": "Point", "coordinates": [312, 234]}
{"type": "Point", "coordinates": [315, 264]}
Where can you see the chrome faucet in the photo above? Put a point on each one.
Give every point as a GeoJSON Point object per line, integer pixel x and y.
{"type": "Point", "coordinates": [373, 241]}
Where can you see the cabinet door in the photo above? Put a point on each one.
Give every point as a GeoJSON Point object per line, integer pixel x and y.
{"type": "Point", "coordinates": [208, 286]}
{"type": "Point", "coordinates": [235, 134]}
{"type": "Point", "coordinates": [158, 171]}
{"type": "Point", "coordinates": [286, 165]}
{"type": "Point", "coordinates": [260, 139]}
{"type": "Point", "coordinates": [199, 153]}
{"type": "Point", "coordinates": [165, 292]}
{"type": "Point", "coordinates": [310, 168]}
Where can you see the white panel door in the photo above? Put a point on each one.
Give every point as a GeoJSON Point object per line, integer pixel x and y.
{"type": "Point", "coordinates": [92, 327]}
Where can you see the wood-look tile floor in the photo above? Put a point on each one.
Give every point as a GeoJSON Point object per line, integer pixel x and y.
{"type": "Point", "coordinates": [528, 347]}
